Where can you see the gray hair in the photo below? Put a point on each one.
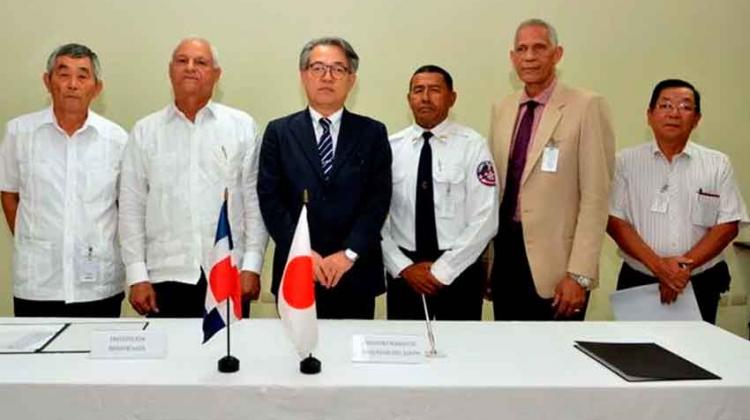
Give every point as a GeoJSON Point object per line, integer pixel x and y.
{"type": "Point", "coordinates": [214, 51]}
{"type": "Point", "coordinates": [74, 51]}
{"type": "Point", "coordinates": [551, 32]}
{"type": "Point", "coordinates": [351, 55]}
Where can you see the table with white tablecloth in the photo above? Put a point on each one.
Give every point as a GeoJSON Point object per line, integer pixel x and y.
{"type": "Point", "coordinates": [491, 370]}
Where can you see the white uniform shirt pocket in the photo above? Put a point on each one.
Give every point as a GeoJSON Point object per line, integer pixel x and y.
{"type": "Point", "coordinates": [449, 190]}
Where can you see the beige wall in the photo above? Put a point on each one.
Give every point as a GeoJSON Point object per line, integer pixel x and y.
{"type": "Point", "coordinates": [619, 48]}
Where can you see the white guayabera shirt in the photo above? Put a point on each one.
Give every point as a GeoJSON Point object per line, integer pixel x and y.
{"type": "Point", "coordinates": [173, 177]}
{"type": "Point", "coordinates": [65, 241]}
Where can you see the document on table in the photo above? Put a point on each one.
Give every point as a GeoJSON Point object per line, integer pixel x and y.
{"type": "Point", "coordinates": [27, 338]}
{"type": "Point", "coordinates": [639, 362]}
{"type": "Point", "coordinates": [643, 303]}
{"type": "Point", "coordinates": [77, 337]}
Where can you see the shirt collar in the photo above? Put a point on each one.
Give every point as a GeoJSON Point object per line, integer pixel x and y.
{"type": "Point", "coordinates": [335, 118]}
{"type": "Point", "coordinates": [92, 120]}
{"type": "Point", "coordinates": [688, 150]}
{"type": "Point", "coordinates": [439, 131]}
{"type": "Point", "coordinates": [209, 110]}
{"type": "Point", "coordinates": [542, 98]}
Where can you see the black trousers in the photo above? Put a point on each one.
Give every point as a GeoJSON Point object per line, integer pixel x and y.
{"type": "Point", "coordinates": [180, 300]}
{"type": "Point", "coordinates": [460, 301]}
{"type": "Point", "coordinates": [343, 303]}
{"type": "Point", "coordinates": [708, 286]}
{"type": "Point", "coordinates": [514, 296]}
{"type": "Point", "coordinates": [104, 308]}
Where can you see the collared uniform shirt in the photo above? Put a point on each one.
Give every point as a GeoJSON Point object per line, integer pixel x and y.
{"type": "Point", "coordinates": [673, 205]}
{"type": "Point", "coordinates": [174, 174]}
{"type": "Point", "coordinates": [66, 225]}
{"type": "Point", "coordinates": [465, 195]}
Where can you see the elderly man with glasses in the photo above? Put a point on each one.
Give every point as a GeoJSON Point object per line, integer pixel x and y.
{"type": "Point", "coordinates": [343, 161]}
{"type": "Point", "coordinates": [675, 205]}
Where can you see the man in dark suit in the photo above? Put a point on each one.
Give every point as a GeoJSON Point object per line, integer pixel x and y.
{"type": "Point", "coordinates": [343, 161]}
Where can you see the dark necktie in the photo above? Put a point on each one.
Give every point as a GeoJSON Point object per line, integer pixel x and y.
{"type": "Point", "coordinates": [325, 148]}
{"type": "Point", "coordinates": [516, 164]}
{"type": "Point", "coordinates": [424, 224]}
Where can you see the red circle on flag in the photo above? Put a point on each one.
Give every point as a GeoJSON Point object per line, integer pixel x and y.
{"type": "Point", "coordinates": [298, 289]}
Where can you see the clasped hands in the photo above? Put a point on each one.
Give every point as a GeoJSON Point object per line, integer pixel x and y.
{"type": "Point", "coordinates": [673, 274]}
{"type": "Point", "coordinates": [329, 270]}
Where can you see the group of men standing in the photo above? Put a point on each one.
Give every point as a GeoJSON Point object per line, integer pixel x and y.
{"type": "Point", "coordinates": [85, 203]}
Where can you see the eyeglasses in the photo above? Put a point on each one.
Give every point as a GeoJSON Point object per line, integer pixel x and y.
{"type": "Point", "coordinates": [667, 106]}
{"type": "Point", "coordinates": [318, 69]}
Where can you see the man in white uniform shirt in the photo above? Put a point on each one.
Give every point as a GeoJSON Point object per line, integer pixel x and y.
{"type": "Point", "coordinates": [443, 210]}
{"type": "Point", "coordinates": [58, 177]}
{"type": "Point", "coordinates": [177, 164]}
{"type": "Point", "coordinates": [675, 205]}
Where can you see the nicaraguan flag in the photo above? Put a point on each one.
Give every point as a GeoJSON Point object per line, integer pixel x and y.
{"type": "Point", "coordinates": [223, 281]}
{"type": "Point", "coordinates": [297, 291]}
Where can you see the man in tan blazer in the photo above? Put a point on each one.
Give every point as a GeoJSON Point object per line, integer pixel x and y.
{"type": "Point", "coordinates": [554, 150]}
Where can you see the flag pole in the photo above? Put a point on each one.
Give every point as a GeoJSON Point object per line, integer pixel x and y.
{"type": "Point", "coordinates": [432, 351]}
{"type": "Point", "coordinates": [228, 363]}
{"type": "Point", "coordinates": [229, 327]}
{"type": "Point", "coordinates": [309, 365]}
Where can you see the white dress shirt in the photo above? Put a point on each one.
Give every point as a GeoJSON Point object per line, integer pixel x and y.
{"type": "Point", "coordinates": [66, 224]}
{"type": "Point", "coordinates": [673, 205]}
{"type": "Point", "coordinates": [173, 178]}
{"type": "Point", "coordinates": [465, 195]}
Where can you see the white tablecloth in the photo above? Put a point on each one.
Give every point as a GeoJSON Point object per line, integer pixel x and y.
{"type": "Point", "coordinates": [492, 371]}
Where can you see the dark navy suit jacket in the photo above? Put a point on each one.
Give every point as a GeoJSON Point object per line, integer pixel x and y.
{"type": "Point", "coordinates": [346, 211]}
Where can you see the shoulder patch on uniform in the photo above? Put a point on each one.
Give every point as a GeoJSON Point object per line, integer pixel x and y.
{"type": "Point", "coordinates": [486, 173]}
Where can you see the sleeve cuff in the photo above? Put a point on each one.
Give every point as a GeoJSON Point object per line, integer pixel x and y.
{"type": "Point", "coordinates": [397, 263]}
{"type": "Point", "coordinates": [136, 273]}
{"type": "Point", "coordinates": [443, 272]}
{"type": "Point", "coordinates": [252, 261]}
{"type": "Point", "coordinates": [617, 213]}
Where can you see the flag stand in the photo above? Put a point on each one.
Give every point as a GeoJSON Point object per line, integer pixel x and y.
{"type": "Point", "coordinates": [229, 363]}
{"type": "Point", "coordinates": [310, 365]}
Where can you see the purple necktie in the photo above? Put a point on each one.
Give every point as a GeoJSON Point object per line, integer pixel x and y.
{"type": "Point", "coordinates": [516, 164]}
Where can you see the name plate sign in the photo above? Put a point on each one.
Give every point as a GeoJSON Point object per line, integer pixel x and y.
{"type": "Point", "coordinates": [150, 344]}
{"type": "Point", "coordinates": [396, 349]}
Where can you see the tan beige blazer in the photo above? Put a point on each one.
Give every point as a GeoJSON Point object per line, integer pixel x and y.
{"type": "Point", "coordinates": [564, 214]}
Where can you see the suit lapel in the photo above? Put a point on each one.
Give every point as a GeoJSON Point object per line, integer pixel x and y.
{"type": "Point", "coordinates": [346, 143]}
{"type": "Point", "coordinates": [505, 130]}
{"type": "Point", "coordinates": [304, 135]}
{"type": "Point", "coordinates": [551, 116]}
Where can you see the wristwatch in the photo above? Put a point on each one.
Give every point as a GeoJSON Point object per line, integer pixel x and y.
{"type": "Point", "coordinates": [351, 255]}
{"type": "Point", "coordinates": [586, 282]}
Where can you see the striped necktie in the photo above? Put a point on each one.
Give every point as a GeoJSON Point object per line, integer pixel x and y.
{"type": "Point", "coordinates": [325, 148]}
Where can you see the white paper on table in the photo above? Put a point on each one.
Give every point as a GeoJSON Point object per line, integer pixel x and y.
{"type": "Point", "coordinates": [77, 337]}
{"type": "Point", "coordinates": [643, 303]}
{"type": "Point", "coordinates": [26, 338]}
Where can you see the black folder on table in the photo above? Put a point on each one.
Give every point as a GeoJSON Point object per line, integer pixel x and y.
{"type": "Point", "coordinates": [640, 362]}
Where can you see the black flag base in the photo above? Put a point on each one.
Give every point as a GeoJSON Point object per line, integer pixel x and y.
{"type": "Point", "coordinates": [309, 366]}
{"type": "Point", "coordinates": [229, 364]}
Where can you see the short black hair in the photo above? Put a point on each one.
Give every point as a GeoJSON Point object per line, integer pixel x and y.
{"type": "Point", "coordinates": [674, 83]}
{"type": "Point", "coordinates": [431, 68]}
